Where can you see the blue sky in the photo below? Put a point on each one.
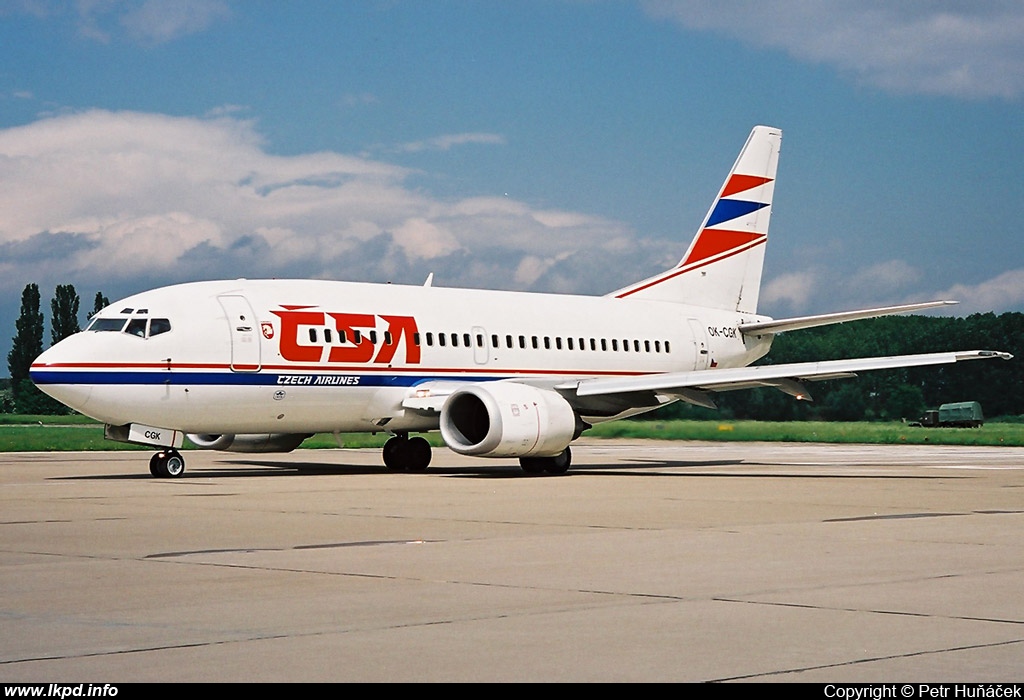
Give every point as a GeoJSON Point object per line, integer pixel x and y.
{"type": "Point", "coordinates": [565, 146]}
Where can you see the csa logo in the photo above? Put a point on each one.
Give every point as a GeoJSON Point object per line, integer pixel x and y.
{"type": "Point", "coordinates": [354, 330]}
{"type": "Point", "coordinates": [268, 330]}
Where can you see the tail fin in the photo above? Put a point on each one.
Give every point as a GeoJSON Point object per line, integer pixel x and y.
{"type": "Point", "coordinates": [722, 267]}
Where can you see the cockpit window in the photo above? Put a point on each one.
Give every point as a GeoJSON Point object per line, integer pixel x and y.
{"type": "Point", "coordinates": [135, 326]}
{"type": "Point", "coordinates": [158, 326]}
{"type": "Point", "coordinates": [106, 324]}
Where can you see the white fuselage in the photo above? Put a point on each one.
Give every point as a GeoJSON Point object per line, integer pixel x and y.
{"type": "Point", "coordinates": [253, 356]}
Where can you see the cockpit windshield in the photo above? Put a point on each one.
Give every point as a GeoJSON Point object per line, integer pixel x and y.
{"type": "Point", "coordinates": [130, 321]}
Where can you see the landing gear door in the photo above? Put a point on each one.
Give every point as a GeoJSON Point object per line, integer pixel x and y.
{"type": "Point", "coordinates": [245, 339]}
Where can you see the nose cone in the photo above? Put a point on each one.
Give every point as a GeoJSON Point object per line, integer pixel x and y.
{"type": "Point", "coordinates": [56, 373]}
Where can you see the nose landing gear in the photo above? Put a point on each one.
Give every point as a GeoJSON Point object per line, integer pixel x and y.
{"type": "Point", "coordinates": [167, 464]}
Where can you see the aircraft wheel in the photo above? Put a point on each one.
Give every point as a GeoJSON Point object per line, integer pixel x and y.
{"type": "Point", "coordinates": [167, 464]}
{"type": "Point", "coordinates": [417, 454]}
{"type": "Point", "coordinates": [392, 454]}
{"type": "Point", "coordinates": [532, 465]}
{"type": "Point", "coordinates": [406, 454]}
{"type": "Point", "coordinates": [559, 464]}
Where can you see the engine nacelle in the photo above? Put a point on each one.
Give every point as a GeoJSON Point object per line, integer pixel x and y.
{"type": "Point", "coordinates": [257, 442]}
{"type": "Point", "coordinates": [505, 419]}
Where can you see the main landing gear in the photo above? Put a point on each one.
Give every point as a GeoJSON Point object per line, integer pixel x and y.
{"type": "Point", "coordinates": [559, 464]}
{"type": "Point", "coordinates": [167, 464]}
{"type": "Point", "coordinates": [403, 453]}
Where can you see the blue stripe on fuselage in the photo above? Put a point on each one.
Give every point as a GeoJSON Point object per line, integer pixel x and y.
{"type": "Point", "coordinates": [176, 378]}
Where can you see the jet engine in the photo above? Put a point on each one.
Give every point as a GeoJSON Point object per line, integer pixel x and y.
{"type": "Point", "coordinates": [506, 419]}
{"type": "Point", "coordinates": [256, 442]}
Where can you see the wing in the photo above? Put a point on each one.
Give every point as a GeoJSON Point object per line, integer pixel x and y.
{"type": "Point", "coordinates": [695, 387]}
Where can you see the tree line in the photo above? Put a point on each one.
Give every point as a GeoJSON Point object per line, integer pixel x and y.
{"type": "Point", "coordinates": [889, 394]}
{"type": "Point", "coordinates": [882, 395]}
{"type": "Point", "coordinates": [27, 345]}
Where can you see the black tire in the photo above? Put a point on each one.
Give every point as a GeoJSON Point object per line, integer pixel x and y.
{"type": "Point", "coordinates": [417, 454]}
{"type": "Point", "coordinates": [559, 464]}
{"type": "Point", "coordinates": [167, 464]}
{"type": "Point", "coordinates": [392, 454]}
{"type": "Point", "coordinates": [532, 465]}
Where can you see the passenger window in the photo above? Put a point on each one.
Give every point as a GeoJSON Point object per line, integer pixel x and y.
{"type": "Point", "coordinates": [158, 326]}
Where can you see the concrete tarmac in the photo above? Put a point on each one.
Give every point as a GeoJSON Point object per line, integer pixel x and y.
{"type": "Point", "coordinates": [649, 561]}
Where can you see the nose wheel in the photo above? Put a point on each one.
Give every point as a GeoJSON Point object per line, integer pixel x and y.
{"type": "Point", "coordinates": [167, 464]}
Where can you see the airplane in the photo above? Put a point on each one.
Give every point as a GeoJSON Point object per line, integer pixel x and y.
{"type": "Point", "coordinates": [260, 365]}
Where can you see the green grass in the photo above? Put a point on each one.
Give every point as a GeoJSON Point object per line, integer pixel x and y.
{"type": "Point", "coordinates": [1006, 434]}
{"type": "Point", "coordinates": [77, 433]}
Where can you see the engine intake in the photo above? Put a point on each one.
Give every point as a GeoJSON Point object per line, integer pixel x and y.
{"type": "Point", "coordinates": [506, 419]}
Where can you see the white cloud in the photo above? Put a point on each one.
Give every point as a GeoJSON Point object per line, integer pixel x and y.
{"type": "Point", "coordinates": [794, 290]}
{"type": "Point", "coordinates": [1004, 292]}
{"type": "Point", "coordinates": [126, 200]}
{"type": "Point", "coordinates": [971, 50]}
{"type": "Point", "coordinates": [446, 142]}
{"type": "Point", "coordinates": [159, 21]}
{"type": "Point", "coordinates": [822, 290]}
{"type": "Point", "coordinates": [882, 280]}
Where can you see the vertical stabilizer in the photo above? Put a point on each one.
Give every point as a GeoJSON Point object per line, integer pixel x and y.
{"type": "Point", "coordinates": [722, 267]}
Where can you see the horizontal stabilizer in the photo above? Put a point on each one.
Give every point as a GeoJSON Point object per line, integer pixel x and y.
{"type": "Point", "coordinates": [792, 324]}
